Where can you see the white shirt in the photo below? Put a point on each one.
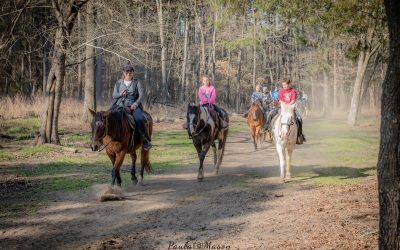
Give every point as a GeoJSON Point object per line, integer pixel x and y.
{"type": "Point", "coordinates": [127, 83]}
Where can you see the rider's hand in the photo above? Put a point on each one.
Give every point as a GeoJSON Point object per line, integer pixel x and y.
{"type": "Point", "coordinates": [134, 106]}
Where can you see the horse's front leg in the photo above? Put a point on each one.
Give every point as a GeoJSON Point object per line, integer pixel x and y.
{"type": "Point", "coordinates": [281, 155]}
{"type": "Point", "coordinates": [214, 148]}
{"type": "Point", "coordinates": [288, 152]}
{"type": "Point", "coordinates": [202, 151]}
{"type": "Point", "coordinates": [115, 173]}
{"type": "Point", "coordinates": [253, 134]}
{"type": "Point", "coordinates": [133, 169]}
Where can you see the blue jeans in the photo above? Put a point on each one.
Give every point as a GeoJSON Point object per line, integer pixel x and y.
{"type": "Point", "coordinates": [140, 125]}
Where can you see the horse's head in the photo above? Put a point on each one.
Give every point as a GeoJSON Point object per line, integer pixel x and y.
{"type": "Point", "coordinates": [287, 119]}
{"type": "Point", "coordinates": [193, 113]}
{"type": "Point", "coordinates": [255, 112]}
{"type": "Point", "coordinates": [99, 128]}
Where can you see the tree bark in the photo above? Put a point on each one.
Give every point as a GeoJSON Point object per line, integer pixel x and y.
{"type": "Point", "coordinates": [163, 49]}
{"type": "Point", "coordinates": [49, 122]}
{"type": "Point", "coordinates": [335, 84]}
{"type": "Point", "coordinates": [327, 95]}
{"type": "Point", "coordinates": [389, 153]}
{"type": "Point", "coordinates": [90, 83]}
{"type": "Point", "coordinates": [185, 50]}
{"type": "Point", "coordinates": [254, 50]}
{"type": "Point", "coordinates": [363, 60]}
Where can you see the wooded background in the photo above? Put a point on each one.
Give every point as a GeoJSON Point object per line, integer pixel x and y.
{"type": "Point", "coordinates": [336, 51]}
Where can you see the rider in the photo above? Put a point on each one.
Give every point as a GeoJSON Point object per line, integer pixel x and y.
{"type": "Point", "coordinates": [207, 96]}
{"type": "Point", "coordinates": [128, 93]}
{"type": "Point", "coordinates": [287, 95]}
{"type": "Point", "coordinates": [256, 95]}
{"type": "Point", "coordinates": [266, 98]}
{"type": "Point", "coordinates": [274, 93]}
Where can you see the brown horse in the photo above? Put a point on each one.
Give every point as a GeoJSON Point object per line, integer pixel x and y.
{"type": "Point", "coordinates": [255, 120]}
{"type": "Point", "coordinates": [204, 127]}
{"type": "Point", "coordinates": [111, 130]}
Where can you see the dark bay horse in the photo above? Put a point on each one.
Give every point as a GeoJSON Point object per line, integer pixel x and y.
{"type": "Point", "coordinates": [255, 120]}
{"type": "Point", "coordinates": [111, 130]}
{"type": "Point", "coordinates": [204, 127]}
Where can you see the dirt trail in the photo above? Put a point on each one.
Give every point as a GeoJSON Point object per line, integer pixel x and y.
{"type": "Point", "coordinates": [244, 207]}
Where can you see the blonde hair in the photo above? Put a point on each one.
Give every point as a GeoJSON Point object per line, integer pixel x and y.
{"type": "Point", "coordinates": [208, 78]}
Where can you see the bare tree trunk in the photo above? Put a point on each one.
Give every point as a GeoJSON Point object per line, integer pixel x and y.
{"type": "Point", "coordinates": [335, 84]}
{"type": "Point", "coordinates": [254, 50]}
{"type": "Point", "coordinates": [239, 70]}
{"type": "Point", "coordinates": [90, 83]}
{"type": "Point", "coordinates": [363, 60]}
{"type": "Point", "coordinates": [49, 122]}
{"type": "Point", "coordinates": [389, 157]}
{"type": "Point", "coordinates": [327, 95]}
{"type": "Point", "coordinates": [44, 68]}
{"type": "Point", "coordinates": [214, 44]}
{"type": "Point", "coordinates": [80, 81]}
{"type": "Point", "coordinates": [163, 49]}
{"type": "Point", "coordinates": [185, 55]}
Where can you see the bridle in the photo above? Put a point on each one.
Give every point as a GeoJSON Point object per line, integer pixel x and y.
{"type": "Point", "coordinates": [195, 125]}
{"type": "Point", "coordinates": [104, 135]}
{"type": "Point", "coordinates": [287, 123]}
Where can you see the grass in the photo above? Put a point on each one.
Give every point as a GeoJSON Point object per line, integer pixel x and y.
{"type": "Point", "coordinates": [348, 154]}
{"type": "Point", "coordinates": [20, 128]}
{"type": "Point", "coordinates": [25, 152]}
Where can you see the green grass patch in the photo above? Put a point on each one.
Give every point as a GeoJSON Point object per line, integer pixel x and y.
{"type": "Point", "coordinates": [25, 152]}
{"type": "Point", "coordinates": [21, 129]}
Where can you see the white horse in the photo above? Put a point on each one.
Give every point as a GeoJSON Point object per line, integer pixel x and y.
{"type": "Point", "coordinates": [285, 134]}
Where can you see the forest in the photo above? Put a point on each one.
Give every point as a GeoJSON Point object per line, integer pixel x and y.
{"type": "Point", "coordinates": [61, 58]}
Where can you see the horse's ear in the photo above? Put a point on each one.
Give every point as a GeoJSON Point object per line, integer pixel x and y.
{"type": "Point", "coordinates": [92, 112]}
{"type": "Point", "coordinates": [106, 114]}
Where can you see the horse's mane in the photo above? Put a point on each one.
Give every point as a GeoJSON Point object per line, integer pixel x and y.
{"type": "Point", "coordinates": [287, 109]}
{"type": "Point", "coordinates": [118, 127]}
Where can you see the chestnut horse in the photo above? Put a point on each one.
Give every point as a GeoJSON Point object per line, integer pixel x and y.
{"type": "Point", "coordinates": [204, 128]}
{"type": "Point", "coordinates": [111, 130]}
{"type": "Point", "coordinates": [255, 120]}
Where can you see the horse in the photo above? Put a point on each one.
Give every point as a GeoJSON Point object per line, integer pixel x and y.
{"type": "Point", "coordinates": [255, 120]}
{"type": "Point", "coordinates": [204, 127]}
{"type": "Point", "coordinates": [285, 134]}
{"type": "Point", "coordinates": [111, 129]}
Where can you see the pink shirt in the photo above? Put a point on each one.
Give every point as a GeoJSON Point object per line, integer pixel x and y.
{"type": "Point", "coordinates": [207, 95]}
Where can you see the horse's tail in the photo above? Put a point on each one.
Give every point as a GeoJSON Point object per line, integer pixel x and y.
{"type": "Point", "coordinates": [145, 160]}
{"type": "Point", "coordinates": [145, 154]}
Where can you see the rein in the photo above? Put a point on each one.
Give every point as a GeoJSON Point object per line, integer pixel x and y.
{"type": "Point", "coordinates": [105, 134]}
{"type": "Point", "coordinates": [288, 124]}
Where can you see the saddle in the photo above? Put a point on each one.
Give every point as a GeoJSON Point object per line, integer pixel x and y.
{"type": "Point", "coordinates": [131, 121]}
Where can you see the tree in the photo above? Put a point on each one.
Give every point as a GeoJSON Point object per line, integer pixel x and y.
{"type": "Point", "coordinates": [65, 14]}
{"type": "Point", "coordinates": [389, 150]}
{"type": "Point", "coordinates": [90, 84]}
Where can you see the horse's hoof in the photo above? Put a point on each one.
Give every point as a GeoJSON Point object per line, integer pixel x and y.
{"type": "Point", "coordinates": [216, 172]}
{"type": "Point", "coordinates": [200, 179]}
{"type": "Point", "coordinates": [134, 181]}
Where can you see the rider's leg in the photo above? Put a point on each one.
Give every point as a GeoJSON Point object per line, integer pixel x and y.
{"type": "Point", "coordinates": [270, 115]}
{"type": "Point", "coordinates": [139, 120]}
{"type": "Point", "coordinates": [300, 137]}
{"type": "Point", "coordinates": [223, 123]}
